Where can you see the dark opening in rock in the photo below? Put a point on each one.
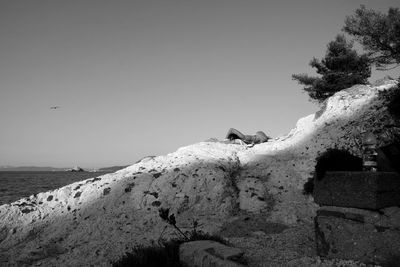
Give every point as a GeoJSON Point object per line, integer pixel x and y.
{"type": "Point", "coordinates": [337, 160]}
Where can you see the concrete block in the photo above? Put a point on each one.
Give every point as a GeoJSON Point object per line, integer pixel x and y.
{"type": "Point", "coordinates": [354, 234]}
{"type": "Point", "coordinates": [367, 190]}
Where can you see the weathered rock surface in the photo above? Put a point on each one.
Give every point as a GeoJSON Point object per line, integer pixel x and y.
{"type": "Point", "coordinates": [94, 222]}
{"type": "Point", "coordinates": [285, 164]}
{"type": "Point", "coordinates": [97, 220]}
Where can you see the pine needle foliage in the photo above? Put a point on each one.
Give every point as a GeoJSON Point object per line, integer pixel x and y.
{"type": "Point", "coordinates": [341, 68]}
{"type": "Point", "coordinates": [378, 33]}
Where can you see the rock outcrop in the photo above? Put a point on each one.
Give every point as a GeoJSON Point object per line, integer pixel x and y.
{"type": "Point", "coordinates": [94, 222]}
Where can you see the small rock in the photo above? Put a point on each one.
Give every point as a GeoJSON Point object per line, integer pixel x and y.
{"type": "Point", "coordinates": [209, 253]}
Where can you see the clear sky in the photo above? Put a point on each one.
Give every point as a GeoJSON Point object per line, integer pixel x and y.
{"type": "Point", "coordinates": [137, 78]}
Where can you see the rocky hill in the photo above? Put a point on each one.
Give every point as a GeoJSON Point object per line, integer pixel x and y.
{"type": "Point", "coordinates": [94, 222]}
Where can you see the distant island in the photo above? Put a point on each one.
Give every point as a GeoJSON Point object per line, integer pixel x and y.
{"type": "Point", "coordinates": [30, 169]}
{"type": "Point", "coordinates": [76, 169]}
{"type": "Point", "coordinates": [53, 169]}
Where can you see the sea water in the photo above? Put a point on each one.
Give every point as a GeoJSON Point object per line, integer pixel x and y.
{"type": "Point", "coordinates": [15, 185]}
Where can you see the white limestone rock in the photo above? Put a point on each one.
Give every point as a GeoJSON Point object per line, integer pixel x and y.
{"type": "Point", "coordinates": [94, 222]}
{"type": "Point", "coordinates": [252, 194]}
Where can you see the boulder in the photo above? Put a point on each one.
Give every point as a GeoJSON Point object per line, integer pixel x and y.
{"type": "Point", "coordinates": [372, 237]}
{"type": "Point", "coordinates": [96, 221]}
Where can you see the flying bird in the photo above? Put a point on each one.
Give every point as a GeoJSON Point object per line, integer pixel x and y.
{"type": "Point", "coordinates": [55, 107]}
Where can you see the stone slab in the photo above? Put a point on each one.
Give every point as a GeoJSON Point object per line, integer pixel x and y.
{"type": "Point", "coordinates": [355, 234]}
{"type": "Point", "coordinates": [367, 190]}
{"type": "Point", "coordinates": [206, 253]}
